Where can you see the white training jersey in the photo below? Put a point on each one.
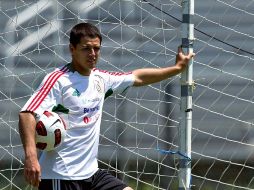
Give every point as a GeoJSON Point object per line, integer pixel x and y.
{"type": "Point", "coordinates": [79, 100]}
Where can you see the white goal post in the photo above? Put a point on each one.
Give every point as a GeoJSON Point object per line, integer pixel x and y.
{"type": "Point", "coordinates": [139, 139]}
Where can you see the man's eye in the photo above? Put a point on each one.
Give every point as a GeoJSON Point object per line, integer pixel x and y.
{"type": "Point", "coordinates": [91, 48]}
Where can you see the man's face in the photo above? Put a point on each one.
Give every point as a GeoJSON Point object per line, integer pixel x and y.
{"type": "Point", "coordinates": [85, 54]}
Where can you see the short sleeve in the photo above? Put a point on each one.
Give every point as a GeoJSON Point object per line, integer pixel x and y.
{"type": "Point", "coordinates": [119, 82]}
{"type": "Point", "coordinates": [115, 82]}
{"type": "Point", "coordinates": [46, 96]}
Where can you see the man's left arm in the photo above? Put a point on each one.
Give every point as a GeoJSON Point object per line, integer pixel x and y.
{"type": "Point", "coordinates": [148, 76]}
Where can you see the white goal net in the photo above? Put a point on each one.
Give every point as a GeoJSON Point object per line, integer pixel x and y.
{"type": "Point", "coordinates": [139, 133]}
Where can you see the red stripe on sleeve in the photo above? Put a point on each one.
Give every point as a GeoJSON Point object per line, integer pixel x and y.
{"type": "Point", "coordinates": [44, 90]}
{"type": "Point", "coordinates": [113, 73]}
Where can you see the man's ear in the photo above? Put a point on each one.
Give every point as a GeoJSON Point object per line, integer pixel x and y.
{"type": "Point", "coordinates": [71, 48]}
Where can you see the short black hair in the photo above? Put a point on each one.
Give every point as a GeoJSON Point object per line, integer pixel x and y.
{"type": "Point", "coordinates": [84, 30]}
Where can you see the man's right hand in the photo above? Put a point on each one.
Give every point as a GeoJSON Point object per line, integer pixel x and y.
{"type": "Point", "coordinates": [32, 171]}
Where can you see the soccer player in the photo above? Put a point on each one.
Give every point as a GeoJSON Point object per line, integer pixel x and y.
{"type": "Point", "coordinates": [78, 90]}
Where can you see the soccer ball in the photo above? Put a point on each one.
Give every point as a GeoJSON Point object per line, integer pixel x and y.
{"type": "Point", "coordinates": [50, 131]}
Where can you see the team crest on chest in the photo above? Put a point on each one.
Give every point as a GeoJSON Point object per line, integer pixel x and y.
{"type": "Point", "coordinates": [98, 84]}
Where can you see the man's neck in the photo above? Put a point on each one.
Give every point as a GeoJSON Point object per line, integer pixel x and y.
{"type": "Point", "coordinates": [73, 69]}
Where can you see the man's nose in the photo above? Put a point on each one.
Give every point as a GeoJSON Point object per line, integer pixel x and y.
{"type": "Point", "coordinates": [92, 51]}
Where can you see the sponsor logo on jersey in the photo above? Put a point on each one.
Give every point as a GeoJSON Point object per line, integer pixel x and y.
{"type": "Point", "coordinates": [88, 120]}
{"type": "Point", "coordinates": [89, 110]}
{"type": "Point", "coordinates": [85, 101]}
{"type": "Point", "coordinates": [76, 93]}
